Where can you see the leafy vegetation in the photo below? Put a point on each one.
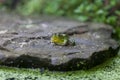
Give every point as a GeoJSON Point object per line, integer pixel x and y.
{"type": "Point", "coordinates": [104, 11]}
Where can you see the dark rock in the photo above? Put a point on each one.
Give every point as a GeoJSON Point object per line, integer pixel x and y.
{"type": "Point", "coordinates": [25, 42]}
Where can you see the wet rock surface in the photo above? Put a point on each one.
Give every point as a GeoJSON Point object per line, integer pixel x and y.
{"type": "Point", "coordinates": [25, 42]}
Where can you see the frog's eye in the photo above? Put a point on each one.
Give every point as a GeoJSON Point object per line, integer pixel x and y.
{"type": "Point", "coordinates": [55, 34]}
{"type": "Point", "coordinates": [64, 35]}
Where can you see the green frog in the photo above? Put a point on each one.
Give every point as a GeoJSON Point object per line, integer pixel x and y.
{"type": "Point", "coordinates": [62, 39]}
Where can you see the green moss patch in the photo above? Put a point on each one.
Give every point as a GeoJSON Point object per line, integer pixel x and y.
{"type": "Point", "coordinates": [110, 70]}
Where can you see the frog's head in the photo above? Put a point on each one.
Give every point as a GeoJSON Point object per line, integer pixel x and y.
{"type": "Point", "coordinates": [60, 39]}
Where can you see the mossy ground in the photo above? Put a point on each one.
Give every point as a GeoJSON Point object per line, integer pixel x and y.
{"type": "Point", "coordinates": [109, 70]}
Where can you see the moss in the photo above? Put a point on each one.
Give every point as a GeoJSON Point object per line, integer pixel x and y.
{"type": "Point", "coordinates": [110, 70]}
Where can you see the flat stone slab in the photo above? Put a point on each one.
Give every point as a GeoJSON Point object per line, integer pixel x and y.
{"type": "Point", "coordinates": [25, 42]}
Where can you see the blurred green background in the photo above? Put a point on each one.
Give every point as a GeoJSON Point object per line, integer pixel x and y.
{"type": "Point", "coordinates": [104, 11]}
